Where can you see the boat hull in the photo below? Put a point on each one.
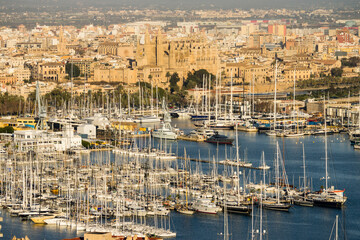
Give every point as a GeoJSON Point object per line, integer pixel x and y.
{"type": "Point", "coordinates": [330, 204]}
{"type": "Point", "coordinates": [276, 207]}
{"type": "Point", "coordinates": [238, 209]}
{"type": "Point", "coordinates": [40, 220]}
{"type": "Point", "coordinates": [163, 136]}
{"type": "Point", "coordinates": [304, 203]}
{"type": "Point", "coordinates": [219, 142]}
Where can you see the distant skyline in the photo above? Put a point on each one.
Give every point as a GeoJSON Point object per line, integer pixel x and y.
{"type": "Point", "coordinates": [183, 4]}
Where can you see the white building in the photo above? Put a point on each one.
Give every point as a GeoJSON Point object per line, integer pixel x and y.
{"type": "Point", "coordinates": [99, 121]}
{"type": "Point", "coordinates": [44, 141]}
{"type": "Point", "coordinates": [89, 130]}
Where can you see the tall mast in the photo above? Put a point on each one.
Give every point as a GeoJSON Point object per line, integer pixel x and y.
{"type": "Point", "coordinates": [84, 105]}
{"type": "Point", "coordinates": [152, 99]}
{"type": "Point", "coordinates": [128, 97]}
{"type": "Point", "coordinates": [359, 111]}
{"type": "Point", "coordinates": [157, 101]}
{"type": "Point", "coordinates": [226, 229]}
{"type": "Point", "coordinates": [304, 167]}
{"type": "Point", "coordinates": [209, 100]}
{"type": "Point", "coordinates": [219, 98]}
{"type": "Point", "coordinates": [294, 101]}
{"type": "Point", "coordinates": [140, 96]}
{"type": "Point", "coordinates": [237, 160]}
{"type": "Point", "coordinates": [253, 95]}
{"type": "Point", "coordinates": [216, 98]}
{"type": "Point", "coordinates": [294, 91]}
{"type": "Point", "coordinates": [277, 173]}
{"type": "Point", "coordinates": [203, 95]}
{"type": "Point", "coordinates": [261, 199]}
{"type": "Point", "coordinates": [326, 153]}
{"type": "Point", "coordinates": [252, 219]}
{"type": "Point", "coordinates": [263, 162]}
{"type": "Point", "coordinates": [275, 95]}
{"type": "Point", "coordinates": [120, 106]}
{"type": "Point", "coordinates": [231, 97]}
{"type": "Point", "coordinates": [71, 80]}
{"type": "Point", "coordinates": [41, 110]}
{"type": "Point", "coordinates": [337, 228]}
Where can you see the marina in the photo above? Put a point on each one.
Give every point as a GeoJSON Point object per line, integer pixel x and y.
{"type": "Point", "coordinates": [202, 159]}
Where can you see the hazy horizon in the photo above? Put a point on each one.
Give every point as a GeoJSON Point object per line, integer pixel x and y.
{"type": "Point", "coordinates": [182, 4]}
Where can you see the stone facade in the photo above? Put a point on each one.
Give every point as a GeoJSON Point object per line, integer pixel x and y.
{"type": "Point", "coordinates": [51, 71]}
{"type": "Point", "coordinates": [158, 56]}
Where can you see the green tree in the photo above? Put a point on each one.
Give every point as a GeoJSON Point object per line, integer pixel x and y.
{"type": "Point", "coordinates": [174, 79]}
{"type": "Point", "coordinates": [168, 75]}
{"type": "Point", "coordinates": [196, 78]}
{"type": "Point", "coordinates": [179, 99]}
{"type": "Point", "coordinates": [336, 72]}
{"type": "Point", "coordinates": [57, 97]}
{"type": "Point", "coordinates": [75, 72]}
{"type": "Point", "coordinates": [85, 144]}
{"type": "Point", "coordinates": [351, 62]}
{"type": "Point", "coordinates": [10, 104]}
{"type": "Point", "coordinates": [7, 129]}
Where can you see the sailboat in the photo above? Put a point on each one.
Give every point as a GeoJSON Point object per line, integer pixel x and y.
{"type": "Point", "coordinates": [328, 197]}
{"type": "Point", "coordinates": [275, 204]}
{"type": "Point", "coordinates": [185, 208]}
{"type": "Point", "coordinates": [296, 133]}
{"type": "Point", "coordinates": [303, 200]}
{"type": "Point", "coordinates": [226, 220]}
{"type": "Point", "coordinates": [355, 134]}
{"type": "Point", "coordinates": [237, 206]}
{"type": "Point", "coordinates": [261, 232]}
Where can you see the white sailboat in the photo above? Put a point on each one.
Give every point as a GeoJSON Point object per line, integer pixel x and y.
{"type": "Point", "coordinates": [292, 133]}
{"type": "Point", "coordinates": [328, 197]}
{"type": "Point", "coordinates": [276, 204]}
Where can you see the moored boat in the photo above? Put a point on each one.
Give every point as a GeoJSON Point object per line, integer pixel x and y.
{"type": "Point", "coordinates": [220, 139]}
{"type": "Point", "coordinates": [40, 219]}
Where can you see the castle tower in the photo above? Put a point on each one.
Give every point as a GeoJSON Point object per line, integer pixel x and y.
{"type": "Point", "coordinates": [159, 49]}
{"type": "Point", "coordinates": [149, 50]}
{"type": "Point", "coordinates": [61, 47]}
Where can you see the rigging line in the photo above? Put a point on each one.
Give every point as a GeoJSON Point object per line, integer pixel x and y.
{"type": "Point", "coordinates": [332, 161]}
{"type": "Point", "coordinates": [332, 230]}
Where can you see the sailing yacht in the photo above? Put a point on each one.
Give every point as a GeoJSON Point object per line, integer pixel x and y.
{"type": "Point", "coordinates": [328, 197]}
{"type": "Point", "coordinates": [276, 204]}
{"type": "Point", "coordinates": [184, 209]}
{"type": "Point", "coordinates": [296, 133]}
{"type": "Point", "coordinates": [303, 200]}
{"type": "Point", "coordinates": [354, 135]}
